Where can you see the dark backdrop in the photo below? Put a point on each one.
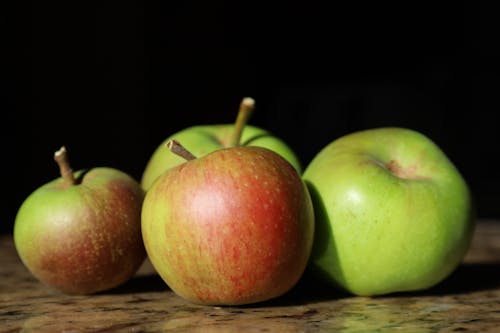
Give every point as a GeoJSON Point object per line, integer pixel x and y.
{"type": "Point", "coordinates": [111, 80]}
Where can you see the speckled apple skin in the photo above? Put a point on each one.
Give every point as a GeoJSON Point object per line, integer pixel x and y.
{"type": "Point", "coordinates": [234, 227]}
{"type": "Point", "coordinates": [85, 238]}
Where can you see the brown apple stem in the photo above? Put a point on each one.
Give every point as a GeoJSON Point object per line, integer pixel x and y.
{"type": "Point", "coordinates": [61, 157]}
{"type": "Point", "coordinates": [178, 149]}
{"type": "Point", "coordinates": [247, 106]}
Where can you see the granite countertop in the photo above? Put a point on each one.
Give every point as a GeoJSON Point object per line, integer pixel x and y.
{"type": "Point", "coordinates": [469, 300]}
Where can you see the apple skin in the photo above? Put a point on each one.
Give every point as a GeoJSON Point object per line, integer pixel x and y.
{"type": "Point", "coordinates": [393, 213]}
{"type": "Point", "coordinates": [84, 238]}
{"type": "Point", "coordinates": [233, 227]}
{"type": "Point", "coordinates": [203, 139]}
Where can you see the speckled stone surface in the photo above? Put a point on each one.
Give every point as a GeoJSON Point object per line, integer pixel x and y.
{"type": "Point", "coordinates": [468, 301]}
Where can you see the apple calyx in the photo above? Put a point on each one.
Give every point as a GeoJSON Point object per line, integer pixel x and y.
{"type": "Point", "coordinates": [178, 149]}
{"type": "Point", "coordinates": [61, 157]}
{"type": "Point", "coordinates": [409, 172]}
{"type": "Point", "coordinates": [247, 106]}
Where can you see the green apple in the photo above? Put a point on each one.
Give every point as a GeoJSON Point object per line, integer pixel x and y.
{"type": "Point", "coordinates": [203, 139]}
{"type": "Point", "coordinates": [393, 213]}
{"type": "Point", "coordinates": [232, 227]}
{"type": "Point", "coordinates": [81, 233]}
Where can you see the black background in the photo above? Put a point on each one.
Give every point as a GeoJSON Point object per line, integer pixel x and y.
{"type": "Point", "coordinates": [111, 80]}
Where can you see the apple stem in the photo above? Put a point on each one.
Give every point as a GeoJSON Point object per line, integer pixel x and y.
{"type": "Point", "coordinates": [61, 157]}
{"type": "Point", "coordinates": [247, 106]}
{"type": "Point", "coordinates": [178, 149]}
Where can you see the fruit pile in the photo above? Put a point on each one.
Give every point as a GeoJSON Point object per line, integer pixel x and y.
{"type": "Point", "coordinates": [228, 216]}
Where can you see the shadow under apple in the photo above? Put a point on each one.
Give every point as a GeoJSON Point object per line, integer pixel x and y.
{"type": "Point", "coordinates": [146, 279]}
{"type": "Point", "coordinates": [139, 284]}
{"type": "Point", "coordinates": [467, 278]}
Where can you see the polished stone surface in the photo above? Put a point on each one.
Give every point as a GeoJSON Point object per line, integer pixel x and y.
{"type": "Point", "coordinates": [468, 301]}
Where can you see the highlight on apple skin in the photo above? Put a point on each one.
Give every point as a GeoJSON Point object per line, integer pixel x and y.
{"type": "Point", "coordinates": [393, 213]}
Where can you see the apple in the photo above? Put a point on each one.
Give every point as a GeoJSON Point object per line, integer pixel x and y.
{"type": "Point", "coordinates": [232, 227]}
{"type": "Point", "coordinates": [81, 233]}
{"type": "Point", "coordinates": [203, 139]}
{"type": "Point", "coordinates": [393, 213]}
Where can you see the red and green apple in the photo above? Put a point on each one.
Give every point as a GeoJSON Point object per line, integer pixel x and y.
{"type": "Point", "coordinates": [232, 227]}
{"type": "Point", "coordinates": [81, 233]}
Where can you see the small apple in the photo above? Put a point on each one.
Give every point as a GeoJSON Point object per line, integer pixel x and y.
{"type": "Point", "coordinates": [81, 233]}
{"type": "Point", "coordinates": [203, 139]}
{"type": "Point", "coordinates": [232, 227]}
{"type": "Point", "coordinates": [393, 213]}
